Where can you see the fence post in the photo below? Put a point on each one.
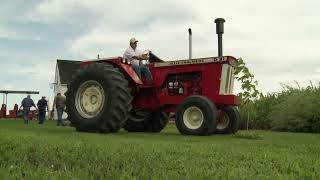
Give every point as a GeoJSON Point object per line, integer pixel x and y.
{"type": "Point", "coordinates": [248, 119]}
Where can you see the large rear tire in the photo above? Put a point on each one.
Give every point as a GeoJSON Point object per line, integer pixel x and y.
{"type": "Point", "coordinates": [196, 115]}
{"type": "Point", "coordinates": [228, 120]}
{"type": "Point", "coordinates": [147, 122]}
{"type": "Point", "coordinates": [98, 99]}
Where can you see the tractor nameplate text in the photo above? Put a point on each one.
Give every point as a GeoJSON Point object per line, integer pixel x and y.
{"type": "Point", "coordinates": [191, 61]}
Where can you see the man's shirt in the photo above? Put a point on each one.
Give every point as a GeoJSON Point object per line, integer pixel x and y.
{"type": "Point", "coordinates": [42, 104]}
{"type": "Point", "coordinates": [59, 101]}
{"type": "Point", "coordinates": [129, 53]}
{"type": "Point", "coordinates": [27, 103]}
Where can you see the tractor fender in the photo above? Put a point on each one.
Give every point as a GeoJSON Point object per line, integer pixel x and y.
{"type": "Point", "coordinates": [125, 68]}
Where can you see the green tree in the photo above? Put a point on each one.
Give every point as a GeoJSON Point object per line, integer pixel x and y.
{"type": "Point", "coordinates": [248, 83]}
{"type": "Point", "coordinates": [249, 90]}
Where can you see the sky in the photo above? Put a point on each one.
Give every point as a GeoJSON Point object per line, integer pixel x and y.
{"type": "Point", "coordinates": [279, 40]}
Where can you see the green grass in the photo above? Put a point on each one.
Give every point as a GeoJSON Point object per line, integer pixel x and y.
{"type": "Point", "coordinates": [50, 152]}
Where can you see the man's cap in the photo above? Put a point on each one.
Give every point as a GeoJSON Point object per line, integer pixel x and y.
{"type": "Point", "coordinates": [133, 40]}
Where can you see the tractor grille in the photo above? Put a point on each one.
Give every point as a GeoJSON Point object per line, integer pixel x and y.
{"type": "Point", "coordinates": [226, 80]}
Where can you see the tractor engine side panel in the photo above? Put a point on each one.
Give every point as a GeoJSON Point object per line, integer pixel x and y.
{"type": "Point", "coordinates": [177, 83]}
{"type": "Point", "coordinates": [185, 84]}
{"type": "Point", "coordinates": [193, 79]}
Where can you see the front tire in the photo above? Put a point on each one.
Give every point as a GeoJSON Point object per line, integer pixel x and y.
{"type": "Point", "coordinates": [228, 121]}
{"type": "Point", "coordinates": [98, 99]}
{"type": "Point", "coordinates": [196, 115]}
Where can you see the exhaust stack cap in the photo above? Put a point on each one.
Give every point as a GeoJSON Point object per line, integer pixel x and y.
{"type": "Point", "coordinates": [190, 31]}
{"type": "Point", "coordinates": [219, 25]}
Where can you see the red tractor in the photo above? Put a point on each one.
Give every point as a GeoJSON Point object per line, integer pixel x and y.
{"type": "Point", "coordinates": [106, 95]}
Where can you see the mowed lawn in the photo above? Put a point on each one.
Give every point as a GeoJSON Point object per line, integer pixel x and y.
{"type": "Point", "coordinates": [50, 152]}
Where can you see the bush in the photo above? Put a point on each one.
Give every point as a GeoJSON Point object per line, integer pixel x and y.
{"type": "Point", "coordinates": [257, 112]}
{"type": "Point", "coordinates": [299, 112]}
{"type": "Point", "coordinates": [292, 109]}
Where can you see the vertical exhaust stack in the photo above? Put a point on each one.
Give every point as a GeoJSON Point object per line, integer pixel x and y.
{"type": "Point", "coordinates": [220, 30]}
{"type": "Point", "coordinates": [190, 43]}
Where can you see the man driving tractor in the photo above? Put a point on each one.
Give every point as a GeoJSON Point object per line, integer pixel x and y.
{"type": "Point", "coordinates": [136, 57]}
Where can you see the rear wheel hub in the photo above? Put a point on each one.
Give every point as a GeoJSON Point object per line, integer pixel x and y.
{"type": "Point", "coordinates": [90, 99]}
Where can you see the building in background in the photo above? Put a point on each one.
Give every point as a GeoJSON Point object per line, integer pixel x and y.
{"type": "Point", "coordinates": [63, 75]}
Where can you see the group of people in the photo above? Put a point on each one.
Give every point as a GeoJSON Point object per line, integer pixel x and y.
{"type": "Point", "coordinates": [42, 107]}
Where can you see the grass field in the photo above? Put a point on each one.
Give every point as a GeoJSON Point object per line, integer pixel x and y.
{"type": "Point", "coordinates": [50, 152]}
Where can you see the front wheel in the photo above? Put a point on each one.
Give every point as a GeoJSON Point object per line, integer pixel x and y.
{"type": "Point", "coordinates": [196, 115]}
{"type": "Point", "coordinates": [228, 120]}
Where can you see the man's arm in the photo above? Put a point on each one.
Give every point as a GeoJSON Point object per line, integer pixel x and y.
{"type": "Point", "coordinates": [64, 101]}
{"type": "Point", "coordinates": [54, 103]}
{"type": "Point", "coordinates": [22, 103]}
{"type": "Point", "coordinates": [129, 54]}
{"type": "Point", "coordinates": [34, 105]}
{"type": "Point", "coordinates": [141, 57]}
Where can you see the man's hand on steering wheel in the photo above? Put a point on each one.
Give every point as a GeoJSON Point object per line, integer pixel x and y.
{"type": "Point", "coordinates": [146, 55]}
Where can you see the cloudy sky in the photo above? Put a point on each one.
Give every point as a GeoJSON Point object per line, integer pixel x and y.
{"type": "Point", "coordinates": [278, 39]}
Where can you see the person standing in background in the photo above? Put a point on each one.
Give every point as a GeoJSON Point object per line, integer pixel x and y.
{"type": "Point", "coordinates": [27, 103]}
{"type": "Point", "coordinates": [60, 104]}
{"type": "Point", "coordinates": [42, 108]}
